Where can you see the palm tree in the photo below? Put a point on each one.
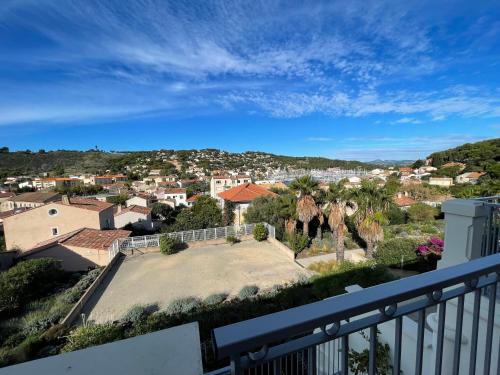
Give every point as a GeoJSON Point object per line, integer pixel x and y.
{"type": "Point", "coordinates": [305, 187]}
{"type": "Point", "coordinates": [372, 204]}
{"type": "Point", "coordinates": [338, 205]}
{"type": "Point", "coordinates": [287, 210]}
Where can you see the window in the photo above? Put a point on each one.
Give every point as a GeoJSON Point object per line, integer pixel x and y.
{"type": "Point", "coordinates": [53, 212]}
{"type": "Point", "coordinates": [55, 231]}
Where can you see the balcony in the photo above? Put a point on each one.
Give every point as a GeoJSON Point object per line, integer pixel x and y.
{"type": "Point", "coordinates": [442, 322]}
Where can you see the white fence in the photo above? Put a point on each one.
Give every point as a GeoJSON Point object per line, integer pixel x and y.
{"type": "Point", "coordinates": [185, 237]}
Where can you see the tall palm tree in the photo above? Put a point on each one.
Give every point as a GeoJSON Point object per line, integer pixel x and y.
{"type": "Point", "coordinates": [338, 206]}
{"type": "Point", "coordinates": [372, 204]}
{"type": "Point", "coordinates": [305, 187]}
{"type": "Point", "coordinates": [287, 210]}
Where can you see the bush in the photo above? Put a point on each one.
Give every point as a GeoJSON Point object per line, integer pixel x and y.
{"type": "Point", "coordinates": [27, 281]}
{"type": "Point", "coordinates": [215, 299]}
{"type": "Point", "coordinates": [138, 313]}
{"type": "Point", "coordinates": [260, 232]}
{"type": "Point", "coordinates": [393, 251]}
{"type": "Point", "coordinates": [169, 245]}
{"type": "Point", "coordinates": [298, 242]}
{"type": "Point", "coordinates": [396, 215]}
{"type": "Point", "coordinates": [183, 305]}
{"type": "Point", "coordinates": [248, 291]}
{"type": "Point", "coordinates": [232, 240]}
{"type": "Point", "coordinates": [421, 212]}
{"type": "Point", "coordinates": [91, 335]}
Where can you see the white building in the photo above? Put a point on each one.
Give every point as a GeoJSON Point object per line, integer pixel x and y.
{"type": "Point", "coordinates": [138, 216]}
{"type": "Point", "coordinates": [469, 177]}
{"type": "Point", "coordinates": [441, 181]}
{"type": "Point", "coordinates": [218, 184]}
{"type": "Point", "coordinates": [176, 195]}
{"type": "Point", "coordinates": [142, 200]}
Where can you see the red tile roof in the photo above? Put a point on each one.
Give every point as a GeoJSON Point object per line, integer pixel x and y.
{"type": "Point", "coordinates": [7, 194]}
{"type": "Point", "coordinates": [175, 191]}
{"type": "Point", "coordinates": [89, 204]}
{"type": "Point", "coordinates": [475, 175]}
{"type": "Point", "coordinates": [135, 208]}
{"type": "Point", "coordinates": [36, 197]}
{"type": "Point", "coordinates": [87, 238]}
{"type": "Point", "coordinates": [404, 201]}
{"type": "Point", "coordinates": [193, 198]}
{"type": "Point", "coordinates": [245, 193]}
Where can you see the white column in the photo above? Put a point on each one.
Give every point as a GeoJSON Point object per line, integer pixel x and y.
{"type": "Point", "coordinates": [465, 221]}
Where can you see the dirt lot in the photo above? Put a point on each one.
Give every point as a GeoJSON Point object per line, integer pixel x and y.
{"type": "Point", "coordinates": [156, 278]}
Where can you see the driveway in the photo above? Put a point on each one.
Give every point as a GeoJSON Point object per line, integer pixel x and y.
{"type": "Point", "coordinates": [156, 278]}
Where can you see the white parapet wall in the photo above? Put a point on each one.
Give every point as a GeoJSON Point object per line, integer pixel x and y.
{"type": "Point", "coordinates": [171, 351]}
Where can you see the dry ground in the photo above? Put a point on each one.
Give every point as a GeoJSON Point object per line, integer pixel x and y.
{"type": "Point", "coordinates": [156, 278]}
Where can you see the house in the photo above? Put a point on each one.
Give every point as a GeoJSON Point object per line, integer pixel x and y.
{"type": "Point", "coordinates": [107, 179]}
{"type": "Point", "coordinates": [405, 171]}
{"type": "Point", "coordinates": [78, 250]}
{"type": "Point", "coordinates": [441, 181]}
{"type": "Point", "coordinates": [218, 184]}
{"type": "Point", "coordinates": [26, 229]}
{"type": "Point", "coordinates": [56, 182]}
{"type": "Point", "coordinates": [190, 201]}
{"type": "Point", "coordinates": [138, 216]}
{"type": "Point", "coordinates": [186, 182]}
{"type": "Point", "coordinates": [29, 200]}
{"type": "Point", "coordinates": [469, 177]}
{"type": "Point", "coordinates": [143, 200]}
{"type": "Point", "coordinates": [178, 195]}
{"type": "Point", "coordinates": [403, 200]}
{"type": "Point", "coordinates": [242, 196]}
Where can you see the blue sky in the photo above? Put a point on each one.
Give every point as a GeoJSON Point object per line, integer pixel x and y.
{"type": "Point", "coordinates": [342, 79]}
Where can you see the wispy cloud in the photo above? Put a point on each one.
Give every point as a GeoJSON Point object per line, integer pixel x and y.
{"type": "Point", "coordinates": [335, 58]}
{"type": "Point", "coordinates": [320, 139]}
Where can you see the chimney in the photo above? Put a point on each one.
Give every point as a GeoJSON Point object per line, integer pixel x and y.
{"type": "Point", "coordinates": [65, 200]}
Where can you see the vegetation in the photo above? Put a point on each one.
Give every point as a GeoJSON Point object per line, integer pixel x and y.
{"type": "Point", "coordinates": [169, 245]}
{"type": "Point", "coordinates": [260, 232]}
{"type": "Point", "coordinates": [205, 213]}
{"type": "Point", "coordinates": [228, 213]}
{"type": "Point", "coordinates": [183, 305]}
{"type": "Point", "coordinates": [359, 361]}
{"type": "Point", "coordinates": [477, 156]}
{"type": "Point", "coordinates": [298, 242]}
{"type": "Point", "coordinates": [232, 240]}
{"type": "Point", "coordinates": [163, 212]}
{"type": "Point", "coordinates": [27, 281]}
{"type": "Point", "coordinates": [215, 299]}
{"type": "Point", "coordinates": [248, 291]}
{"type": "Point", "coordinates": [305, 187]}
{"type": "Point", "coordinates": [92, 335]}
{"type": "Point", "coordinates": [80, 190]}
{"type": "Point", "coordinates": [397, 252]}
{"type": "Point", "coordinates": [421, 212]}
{"type": "Point", "coordinates": [118, 199]}
{"type": "Point", "coordinates": [338, 203]}
{"type": "Point", "coordinates": [3, 247]}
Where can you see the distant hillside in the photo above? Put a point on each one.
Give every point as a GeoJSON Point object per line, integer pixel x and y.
{"type": "Point", "coordinates": [23, 162]}
{"type": "Point", "coordinates": [322, 163]}
{"type": "Point", "coordinates": [477, 156]}
{"type": "Point", "coordinates": [392, 163]}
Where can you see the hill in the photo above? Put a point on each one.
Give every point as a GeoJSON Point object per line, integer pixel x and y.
{"type": "Point", "coordinates": [477, 156]}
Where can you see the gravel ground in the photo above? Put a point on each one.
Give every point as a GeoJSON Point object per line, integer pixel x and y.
{"type": "Point", "coordinates": [156, 278]}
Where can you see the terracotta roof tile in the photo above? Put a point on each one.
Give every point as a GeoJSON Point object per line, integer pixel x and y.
{"type": "Point", "coordinates": [94, 238]}
{"type": "Point", "coordinates": [89, 204]}
{"type": "Point", "coordinates": [404, 201]}
{"type": "Point", "coordinates": [134, 208]}
{"type": "Point", "coordinates": [245, 193]}
{"type": "Point", "coordinates": [175, 191]}
{"type": "Point", "coordinates": [36, 197]}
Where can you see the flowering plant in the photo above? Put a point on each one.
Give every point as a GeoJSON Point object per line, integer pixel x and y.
{"type": "Point", "coordinates": [432, 249]}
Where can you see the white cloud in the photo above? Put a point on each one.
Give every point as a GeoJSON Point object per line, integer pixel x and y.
{"type": "Point", "coordinates": [320, 139]}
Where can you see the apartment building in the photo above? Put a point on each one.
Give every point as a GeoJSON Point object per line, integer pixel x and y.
{"type": "Point", "coordinates": [29, 200]}
{"type": "Point", "coordinates": [55, 182]}
{"type": "Point", "coordinates": [26, 229]}
{"type": "Point", "coordinates": [219, 184]}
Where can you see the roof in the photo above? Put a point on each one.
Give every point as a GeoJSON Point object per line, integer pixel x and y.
{"type": "Point", "coordinates": [475, 175]}
{"type": "Point", "coordinates": [111, 176]}
{"type": "Point", "coordinates": [37, 197]}
{"type": "Point", "coordinates": [89, 204]}
{"type": "Point", "coordinates": [404, 201]}
{"type": "Point", "coordinates": [87, 238]}
{"type": "Point", "coordinates": [175, 191]}
{"type": "Point", "coordinates": [58, 179]}
{"type": "Point", "coordinates": [245, 193]}
{"type": "Point", "coordinates": [7, 194]}
{"type": "Point", "coordinates": [134, 208]}
{"type": "Point", "coordinates": [193, 198]}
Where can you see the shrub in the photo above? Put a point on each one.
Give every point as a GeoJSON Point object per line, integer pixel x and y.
{"type": "Point", "coordinates": [138, 313]}
{"type": "Point", "coordinates": [91, 335]}
{"type": "Point", "coordinates": [183, 305]}
{"type": "Point", "coordinates": [248, 291]}
{"type": "Point", "coordinates": [421, 212]}
{"type": "Point", "coordinates": [396, 215]}
{"type": "Point", "coordinates": [260, 232]}
{"type": "Point", "coordinates": [393, 251]}
{"type": "Point", "coordinates": [27, 281]}
{"type": "Point", "coordinates": [298, 242]}
{"type": "Point", "coordinates": [215, 299]}
{"type": "Point", "coordinates": [169, 245]}
{"type": "Point", "coordinates": [232, 240]}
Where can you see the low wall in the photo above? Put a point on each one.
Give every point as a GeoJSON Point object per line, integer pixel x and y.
{"type": "Point", "coordinates": [285, 249]}
{"type": "Point", "coordinates": [80, 304]}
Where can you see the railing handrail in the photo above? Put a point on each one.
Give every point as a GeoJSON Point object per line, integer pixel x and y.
{"type": "Point", "coordinates": [250, 334]}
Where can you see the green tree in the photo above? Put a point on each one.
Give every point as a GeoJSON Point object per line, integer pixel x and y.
{"type": "Point", "coordinates": [305, 187]}
{"type": "Point", "coordinates": [205, 213]}
{"type": "Point", "coordinates": [118, 199]}
{"type": "Point", "coordinates": [228, 213]}
{"type": "Point", "coordinates": [163, 212]}
{"type": "Point", "coordinates": [417, 164]}
{"type": "Point", "coordinates": [372, 204]}
{"type": "Point", "coordinates": [421, 212]}
{"type": "Point", "coordinates": [338, 203]}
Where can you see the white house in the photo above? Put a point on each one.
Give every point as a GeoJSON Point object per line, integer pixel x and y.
{"type": "Point", "coordinates": [177, 195]}
{"type": "Point", "coordinates": [142, 200]}
{"type": "Point", "coordinates": [441, 181]}
{"type": "Point", "coordinates": [138, 216]}
{"type": "Point", "coordinates": [469, 177]}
